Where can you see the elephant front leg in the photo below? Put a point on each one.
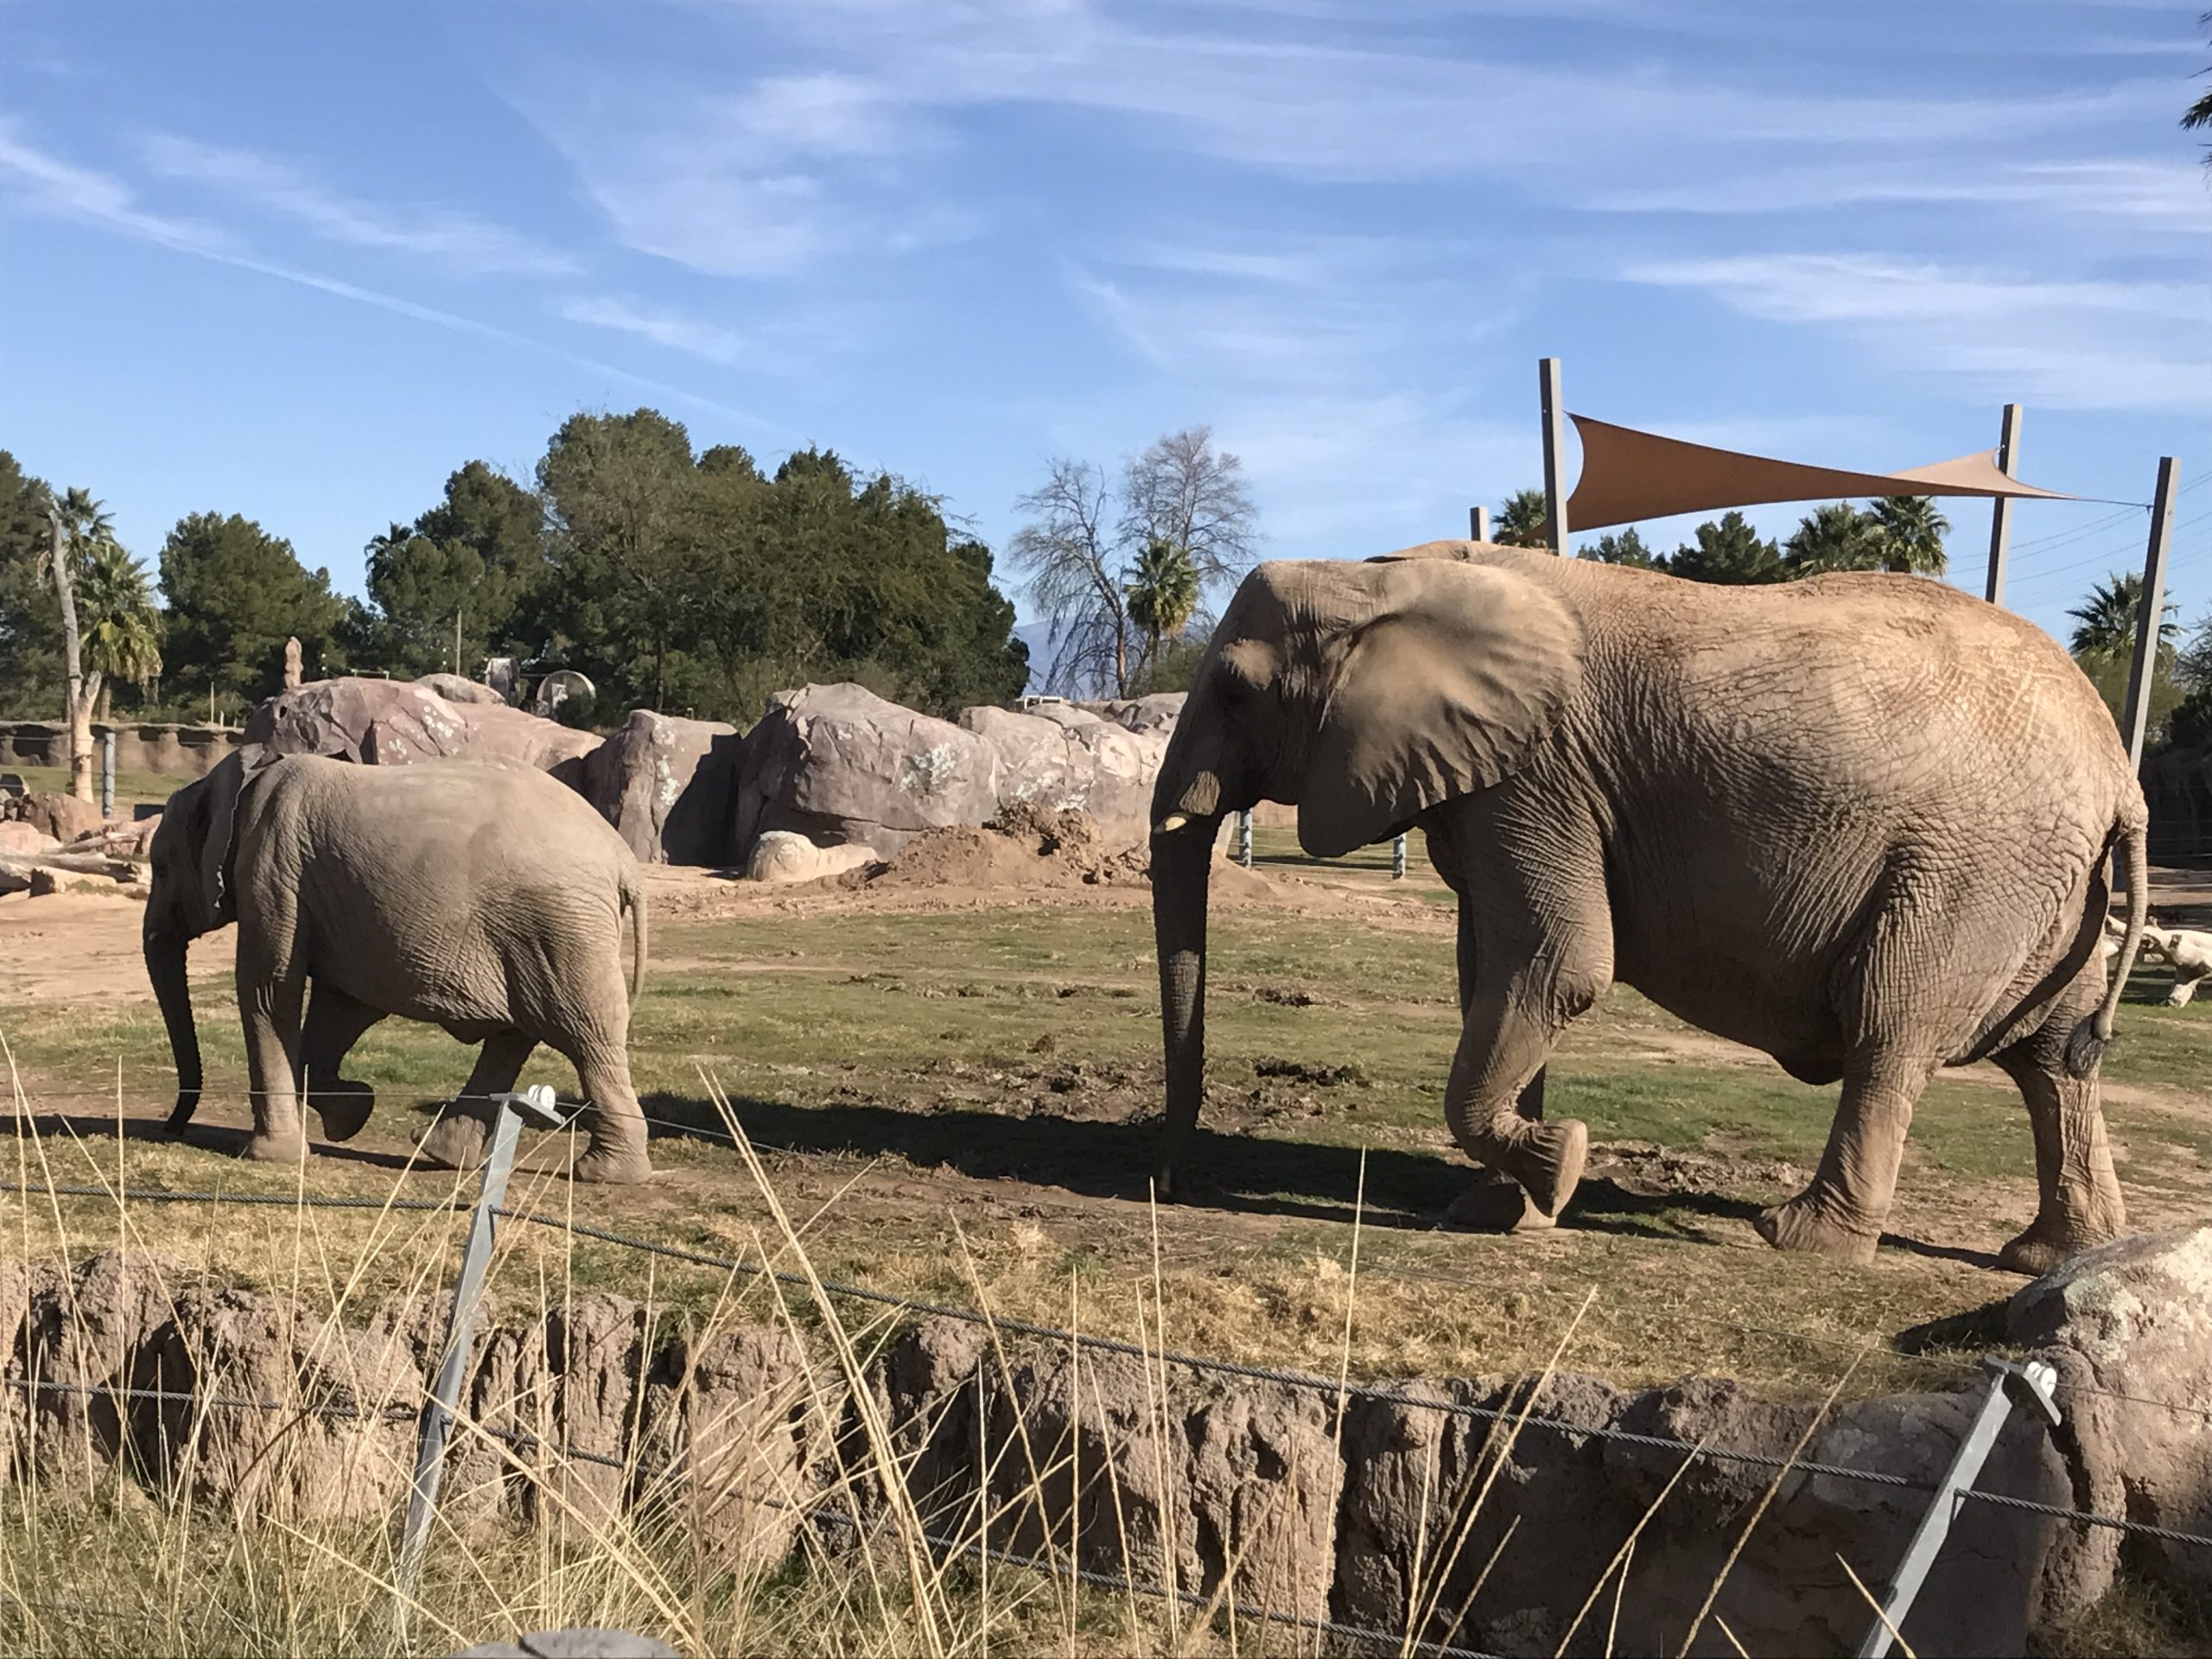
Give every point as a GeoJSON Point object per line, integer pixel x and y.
{"type": "Point", "coordinates": [1502, 1052]}
{"type": "Point", "coordinates": [1842, 1210]}
{"type": "Point", "coordinates": [269, 1005]}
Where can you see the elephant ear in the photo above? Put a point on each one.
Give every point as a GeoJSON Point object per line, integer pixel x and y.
{"type": "Point", "coordinates": [219, 842]}
{"type": "Point", "coordinates": [1460, 671]}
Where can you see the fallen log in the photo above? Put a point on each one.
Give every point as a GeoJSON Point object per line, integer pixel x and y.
{"type": "Point", "coordinates": [15, 868]}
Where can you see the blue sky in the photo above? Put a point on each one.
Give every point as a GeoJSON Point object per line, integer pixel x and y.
{"type": "Point", "coordinates": [301, 260]}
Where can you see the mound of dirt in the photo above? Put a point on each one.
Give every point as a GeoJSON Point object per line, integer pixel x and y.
{"type": "Point", "coordinates": [1026, 848]}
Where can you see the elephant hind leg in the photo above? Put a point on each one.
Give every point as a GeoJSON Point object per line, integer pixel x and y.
{"type": "Point", "coordinates": [336, 1022]}
{"type": "Point", "coordinates": [2078, 1199]}
{"type": "Point", "coordinates": [457, 1138]}
{"type": "Point", "coordinates": [1842, 1210]}
{"type": "Point", "coordinates": [616, 1152]}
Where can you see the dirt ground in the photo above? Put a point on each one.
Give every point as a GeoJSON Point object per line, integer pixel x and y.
{"type": "Point", "coordinates": [952, 1073]}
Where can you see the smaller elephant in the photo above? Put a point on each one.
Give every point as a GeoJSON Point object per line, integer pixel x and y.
{"type": "Point", "coordinates": [485, 899]}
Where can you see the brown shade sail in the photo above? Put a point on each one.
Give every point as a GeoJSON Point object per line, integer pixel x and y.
{"type": "Point", "coordinates": [1628, 475]}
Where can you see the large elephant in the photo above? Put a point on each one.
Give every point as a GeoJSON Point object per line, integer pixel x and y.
{"type": "Point", "coordinates": [1859, 821]}
{"type": "Point", "coordinates": [485, 899]}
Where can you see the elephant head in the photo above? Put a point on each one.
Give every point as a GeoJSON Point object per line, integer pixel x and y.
{"type": "Point", "coordinates": [1364, 694]}
{"type": "Point", "coordinates": [193, 855]}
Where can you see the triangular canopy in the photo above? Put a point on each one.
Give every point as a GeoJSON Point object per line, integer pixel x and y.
{"type": "Point", "coordinates": [1628, 475]}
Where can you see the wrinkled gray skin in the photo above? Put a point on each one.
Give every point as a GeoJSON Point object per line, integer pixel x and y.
{"type": "Point", "coordinates": [488, 899]}
{"type": "Point", "coordinates": [1860, 823]}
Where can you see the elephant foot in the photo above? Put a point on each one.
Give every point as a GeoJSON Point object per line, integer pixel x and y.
{"type": "Point", "coordinates": [272, 1149]}
{"type": "Point", "coordinates": [1803, 1225]}
{"type": "Point", "coordinates": [1547, 1163]}
{"type": "Point", "coordinates": [1496, 1205]}
{"type": "Point", "coordinates": [343, 1107]}
{"type": "Point", "coordinates": [2047, 1243]}
{"type": "Point", "coordinates": [456, 1141]}
{"type": "Point", "coordinates": [612, 1165]}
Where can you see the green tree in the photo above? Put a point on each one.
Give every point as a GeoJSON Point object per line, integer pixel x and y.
{"type": "Point", "coordinates": [1522, 521]}
{"type": "Point", "coordinates": [1909, 532]}
{"type": "Point", "coordinates": [1837, 536]}
{"type": "Point", "coordinates": [235, 593]}
{"type": "Point", "coordinates": [2107, 620]}
{"type": "Point", "coordinates": [2103, 643]}
{"type": "Point", "coordinates": [1620, 547]}
{"type": "Point", "coordinates": [118, 622]}
{"type": "Point", "coordinates": [1727, 551]}
{"type": "Point", "coordinates": [30, 617]}
{"type": "Point", "coordinates": [1162, 595]}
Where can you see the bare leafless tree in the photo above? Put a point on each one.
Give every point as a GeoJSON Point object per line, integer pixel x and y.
{"type": "Point", "coordinates": [1070, 567]}
{"type": "Point", "coordinates": [1184, 492]}
{"type": "Point", "coordinates": [1086, 535]}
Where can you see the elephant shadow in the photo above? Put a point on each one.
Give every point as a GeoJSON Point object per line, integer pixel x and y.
{"type": "Point", "coordinates": [1240, 1173]}
{"type": "Point", "coordinates": [96, 1130]}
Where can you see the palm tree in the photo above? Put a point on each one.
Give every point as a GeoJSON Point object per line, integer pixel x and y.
{"type": "Point", "coordinates": [117, 620]}
{"type": "Point", "coordinates": [1162, 593]}
{"type": "Point", "coordinates": [2109, 616]}
{"type": "Point", "coordinates": [77, 523]}
{"type": "Point", "coordinates": [1909, 531]}
{"type": "Point", "coordinates": [1524, 521]}
{"type": "Point", "coordinates": [1837, 536]}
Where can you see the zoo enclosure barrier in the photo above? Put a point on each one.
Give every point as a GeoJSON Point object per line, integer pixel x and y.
{"type": "Point", "coordinates": [2031, 1383]}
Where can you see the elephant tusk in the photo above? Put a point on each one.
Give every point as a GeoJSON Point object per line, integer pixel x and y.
{"type": "Point", "coordinates": [1169, 824]}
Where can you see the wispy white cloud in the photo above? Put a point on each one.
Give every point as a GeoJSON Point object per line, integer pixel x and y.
{"type": "Point", "coordinates": [46, 183]}
{"type": "Point", "coordinates": [2076, 343]}
{"type": "Point", "coordinates": [658, 324]}
{"type": "Point", "coordinates": [461, 242]}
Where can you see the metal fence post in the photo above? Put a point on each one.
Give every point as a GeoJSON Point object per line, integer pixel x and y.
{"type": "Point", "coordinates": [1245, 838]}
{"type": "Point", "coordinates": [107, 773]}
{"type": "Point", "coordinates": [534, 1104]}
{"type": "Point", "coordinates": [1398, 859]}
{"type": "Point", "coordinates": [2035, 1378]}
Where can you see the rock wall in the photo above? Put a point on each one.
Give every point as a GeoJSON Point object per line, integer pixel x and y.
{"type": "Point", "coordinates": [1484, 1510]}
{"type": "Point", "coordinates": [182, 751]}
{"type": "Point", "coordinates": [669, 785]}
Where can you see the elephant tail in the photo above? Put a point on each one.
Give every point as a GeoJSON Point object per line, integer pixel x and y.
{"type": "Point", "coordinates": [2087, 1045]}
{"type": "Point", "coordinates": [633, 900]}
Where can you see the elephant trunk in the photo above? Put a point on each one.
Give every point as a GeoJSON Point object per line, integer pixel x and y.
{"type": "Point", "coordinates": [1182, 857]}
{"type": "Point", "coordinates": [165, 954]}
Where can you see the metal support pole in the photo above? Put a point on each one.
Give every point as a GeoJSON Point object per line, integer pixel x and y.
{"type": "Point", "coordinates": [107, 773]}
{"type": "Point", "coordinates": [2144, 668]}
{"type": "Point", "coordinates": [534, 1104]}
{"type": "Point", "coordinates": [1555, 414]}
{"type": "Point", "coordinates": [2034, 1379]}
{"type": "Point", "coordinates": [1244, 839]}
{"type": "Point", "coordinates": [1398, 859]}
{"type": "Point", "coordinates": [1478, 523]}
{"type": "Point", "coordinates": [2000, 511]}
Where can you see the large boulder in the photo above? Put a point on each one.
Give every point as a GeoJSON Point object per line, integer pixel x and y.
{"type": "Point", "coordinates": [392, 722]}
{"type": "Point", "coordinates": [1157, 712]}
{"type": "Point", "coordinates": [2129, 1327]}
{"type": "Point", "coordinates": [25, 838]}
{"type": "Point", "coordinates": [62, 818]}
{"type": "Point", "coordinates": [1060, 756]}
{"type": "Point", "coordinates": [668, 784]}
{"type": "Point", "coordinates": [455, 688]}
{"type": "Point", "coordinates": [838, 764]}
{"type": "Point", "coordinates": [786, 856]}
